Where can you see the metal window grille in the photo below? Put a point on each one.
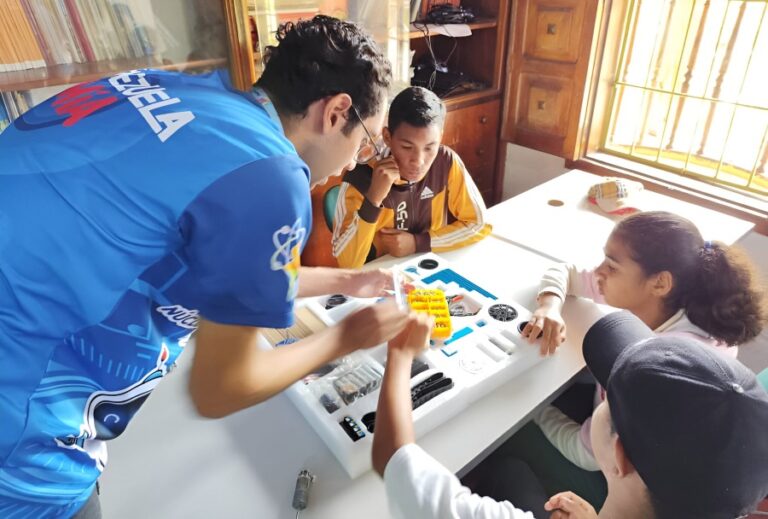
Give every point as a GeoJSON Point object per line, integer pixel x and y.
{"type": "Point", "coordinates": [690, 93]}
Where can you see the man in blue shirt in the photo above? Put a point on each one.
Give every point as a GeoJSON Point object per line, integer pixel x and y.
{"type": "Point", "coordinates": [143, 206]}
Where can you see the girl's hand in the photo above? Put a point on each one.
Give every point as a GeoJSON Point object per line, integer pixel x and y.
{"type": "Point", "coordinates": [547, 322]}
{"type": "Point", "coordinates": [567, 505]}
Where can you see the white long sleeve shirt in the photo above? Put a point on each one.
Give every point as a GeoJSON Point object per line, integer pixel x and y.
{"type": "Point", "coordinates": [570, 438]}
{"type": "Point", "coordinates": [419, 487]}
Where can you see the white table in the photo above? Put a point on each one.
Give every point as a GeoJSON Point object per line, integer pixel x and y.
{"type": "Point", "coordinates": [555, 219]}
{"type": "Point", "coordinates": [172, 464]}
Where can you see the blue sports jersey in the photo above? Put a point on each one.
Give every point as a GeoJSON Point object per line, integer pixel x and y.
{"type": "Point", "coordinates": [128, 207]}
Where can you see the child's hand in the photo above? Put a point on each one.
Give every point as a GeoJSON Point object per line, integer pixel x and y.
{"type": "Point", "coordinates": [415, 336]}
{"type": "Point", "coordinates": [372, 325]}
{"type": "Point", "coordinates": [547, 322]}
{"type": "Point", "coordinates": [567, 505]}
{"type": "Point", "coordinates": [397, 243]}
{"type": "Point", "coordinates": [385, 173]}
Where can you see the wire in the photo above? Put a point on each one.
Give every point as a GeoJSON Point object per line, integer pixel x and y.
{"type": "Point", "coordinates": [424, 29]}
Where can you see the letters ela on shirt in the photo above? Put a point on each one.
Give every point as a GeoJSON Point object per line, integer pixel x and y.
{"type": "Point", "coordinates": [151, 101]}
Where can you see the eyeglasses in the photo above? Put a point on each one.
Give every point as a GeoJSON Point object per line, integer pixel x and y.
{"type": "Point", "coordinates": [368, 149]}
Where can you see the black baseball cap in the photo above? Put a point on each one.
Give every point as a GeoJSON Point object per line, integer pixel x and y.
{"type": "Point", "coordinates": [692, 421]}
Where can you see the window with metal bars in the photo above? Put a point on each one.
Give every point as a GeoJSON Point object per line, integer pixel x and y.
{"type": "Point", "coordinates": [690, 94]}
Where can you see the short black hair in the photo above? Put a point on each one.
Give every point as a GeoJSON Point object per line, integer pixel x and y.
{"type": "Point", "coordinates": [322, 57]}
{"type": "Point", "coordinates": [416, 106]}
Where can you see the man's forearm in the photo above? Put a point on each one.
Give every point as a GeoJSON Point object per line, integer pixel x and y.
{"type": "Point", "coordinates": [394, 415]}
{"type": "Point", "coordinates": [231, 372]}
{"type": "Point", "coordinates": [318, 281]}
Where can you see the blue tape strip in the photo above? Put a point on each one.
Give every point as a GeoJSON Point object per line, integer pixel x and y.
{"type": "Point", "coordinates": [449, 276]}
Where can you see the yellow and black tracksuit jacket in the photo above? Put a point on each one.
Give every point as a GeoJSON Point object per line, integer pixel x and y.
{"type": "Point", "coordinates": [444, 211]}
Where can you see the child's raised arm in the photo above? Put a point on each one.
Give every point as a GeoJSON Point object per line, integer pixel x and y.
{"type": "Point", "coordinates": [394, 422]}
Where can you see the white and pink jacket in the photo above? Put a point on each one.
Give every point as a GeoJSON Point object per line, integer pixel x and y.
{"type": "Point", "coordinates": [571, 438]}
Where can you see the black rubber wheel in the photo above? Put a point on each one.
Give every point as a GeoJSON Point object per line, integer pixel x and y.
{"type": "Point", "coordinates": [335, 300]}
{"type": "Point", "coordinates": [503, 313]}
{"type": "Point", "coordinates": [428, 264]}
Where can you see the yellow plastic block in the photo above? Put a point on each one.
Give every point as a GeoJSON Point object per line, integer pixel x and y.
{"type": "Point", "coordinates": [432, 302]}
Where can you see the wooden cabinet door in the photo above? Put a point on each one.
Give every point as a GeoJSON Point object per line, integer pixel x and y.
{"type": "Point", "coordinates": [548, 60]}
{"type": "Point", "coordinates": [473, 133]}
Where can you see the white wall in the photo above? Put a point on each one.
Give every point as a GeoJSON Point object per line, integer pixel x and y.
{"type": "Point", "coordinates": [755, 354]}
{"type": "Point", "coordinates": [526, 168]}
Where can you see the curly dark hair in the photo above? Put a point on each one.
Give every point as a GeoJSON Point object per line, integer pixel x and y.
{"type": "Point", "coordinates": [715, 284]}
{"type": "Point", "coordinates": [322, 57]}
{"type": "Point", "coordinates": [416, 106]}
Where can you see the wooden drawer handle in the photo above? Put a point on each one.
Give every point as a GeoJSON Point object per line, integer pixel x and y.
{"type": "Point", "coordinates": [480, 152]}
{"type": "Point", "coordinates": [483, 119]}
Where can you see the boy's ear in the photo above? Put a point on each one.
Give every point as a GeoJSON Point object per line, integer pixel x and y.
{"type": "Point", "coordinates": [623, 466]}
{"type": "Point", "coordinates": [663, 283]}
{"type": "Point", "coordinates": [336, 112]}
{"type": "Point", "coordinates": [386, 136]}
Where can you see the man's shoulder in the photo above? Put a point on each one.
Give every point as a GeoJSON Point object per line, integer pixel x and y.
{"type": "Point", "coordinates": [279, 169]}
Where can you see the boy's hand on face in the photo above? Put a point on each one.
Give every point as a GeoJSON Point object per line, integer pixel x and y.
{"type": "Point", "coordinates": [397, 243]}
{"type": "Point", "coordinates": [385, 173]}
{"type": "Point", "coordinates": [567, 505]}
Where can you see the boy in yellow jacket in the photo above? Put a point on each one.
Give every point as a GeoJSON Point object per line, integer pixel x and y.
{"type": "Point", "coordinates": [419, 197]}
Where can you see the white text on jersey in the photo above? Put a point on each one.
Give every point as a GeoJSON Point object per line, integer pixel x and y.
{"type": "Point", "coordinates": [149, 99]}
{"type": "Point", "coordinates": [180, 316]}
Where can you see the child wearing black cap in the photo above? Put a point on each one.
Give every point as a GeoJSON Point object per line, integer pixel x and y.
{"type": "Point", "coordinates": [681, 434]}
{"type": "Point", "coordinates": [657, 266]}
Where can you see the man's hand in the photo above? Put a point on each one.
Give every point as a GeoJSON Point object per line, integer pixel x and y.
{"type": "Point", "coordinates": [372, 325]}
{"type": "Point", "coordinates": [397, 243]}
{"type": "Point", "coordinates": [547, 322]}
{"type": "Point", "coordinates": [567, 505]}
{"type": "Point", "coordinates": [385, 173]}
{"type": "Point", "coordinates": [368, 283]}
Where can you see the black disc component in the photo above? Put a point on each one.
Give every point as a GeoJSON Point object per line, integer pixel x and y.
{"type": "Point", "coordinates": [504, 313]}
{"type": "Point", "coordinates": [335, 300]}
{"type": "Point", "coordinates": [523, 324]}
{"type": "Point", "coordinates": [369, 420]}
{"type": "Point", "coordinates": [428, 264]}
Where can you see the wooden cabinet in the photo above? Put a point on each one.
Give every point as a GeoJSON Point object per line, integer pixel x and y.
{"type": "Point", "coordinates": [547, 62]}
{"type": "Point", "coordinates": [473, 132]}
{"type": "Point", "coordinates": [387, 22]}
{"type": "Point", "coordinates": [472, 123]}
{"type": "Point", "coordinates": [474, 102]}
